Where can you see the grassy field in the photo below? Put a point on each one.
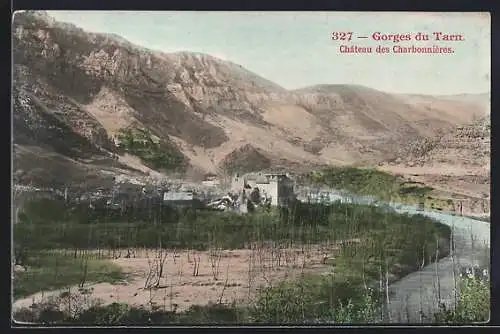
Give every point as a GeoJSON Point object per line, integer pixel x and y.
{"type": "Point", "coordinates": [389, 246]}
{"type": "Point", "coordinates": [50, 270]}
{"type": "Point", "coordinates": [48, 224]}
{"type": "Point", "coordinates": [383, 186]}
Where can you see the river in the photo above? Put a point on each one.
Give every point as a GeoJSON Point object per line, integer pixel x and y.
{"type": "Point", "coordinates": [414, 298]}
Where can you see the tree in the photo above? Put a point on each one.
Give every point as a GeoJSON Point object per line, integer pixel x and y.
{"type": "Point", "coordinates": [255, 195]}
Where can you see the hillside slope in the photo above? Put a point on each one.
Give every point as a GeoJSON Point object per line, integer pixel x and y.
{"type": "Point", "coordinates": [466, 147]}
{"type": "Point", "coordinates": [456, 163]}
{"type": "Point", "coordinates": [74, 91]}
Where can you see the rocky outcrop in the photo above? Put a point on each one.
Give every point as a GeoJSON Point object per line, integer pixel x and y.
{"type": "Point", "coordinates": [467, 145]}
{"type": "Point", "coordinates": [245, 159]}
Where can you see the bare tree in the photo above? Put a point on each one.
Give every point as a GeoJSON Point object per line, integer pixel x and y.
{"type": "Point", "coordinates": [225, 284]}
{"type": "Point", "coordinates": [436, 267]}
{"type": "Point", "coordinates": [387, 290]}
{"type": "Point", "coordinates": [85, 270]}
{"type": "Point", "coordinates": [156, 267]}
{"type": "Point", "coordinates": [196, 266]}
{"type": "Point", "coordinates": [215, 257]}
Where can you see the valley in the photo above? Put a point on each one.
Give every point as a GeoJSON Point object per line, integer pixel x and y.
{"type": "Point", "coordinates": [114, 142]}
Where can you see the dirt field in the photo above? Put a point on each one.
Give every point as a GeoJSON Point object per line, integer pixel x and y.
{"type": "Point", "coordinates": [223, 276]}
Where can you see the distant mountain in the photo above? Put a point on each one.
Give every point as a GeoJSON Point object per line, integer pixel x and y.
{"type": "Point", "coordinates": [75, 91]}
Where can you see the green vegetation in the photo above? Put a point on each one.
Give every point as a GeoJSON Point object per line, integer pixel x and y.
{"type": "Point", "coordinates": [154, 153]}
{"type": "Point", "coordinates": [311, 299]}
{"type": "Point", "coordinates": [320, 299]}
{"type": "Point", "coordinates": [51, 224]}
{"type": "Point", "coordinates": [382, 244]}
{"type": "Point", "coordinates": [118, 314]}
{"type": "Point", "coordinates": [473, 304]}
{"type": "Point", "coordinates": [372, 182]}
{"type": "Point", "coordinates": [54, 270]}
{"type": "Point", "coordinates": [308, 300]}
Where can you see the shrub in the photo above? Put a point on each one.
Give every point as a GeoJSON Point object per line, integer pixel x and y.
{"type": "Point", "coordinates": [473, 304]}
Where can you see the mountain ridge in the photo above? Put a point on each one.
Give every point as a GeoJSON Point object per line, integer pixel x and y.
{"type": "Point", "coordinates": [97, 84]}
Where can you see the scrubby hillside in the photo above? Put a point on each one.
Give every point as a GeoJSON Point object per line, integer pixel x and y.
{"type": "Point", "coordinates": [465, 146]}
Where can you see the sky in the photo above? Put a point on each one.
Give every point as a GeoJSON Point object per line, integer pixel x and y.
{"type": "Point", "coordinates": [295, 49]}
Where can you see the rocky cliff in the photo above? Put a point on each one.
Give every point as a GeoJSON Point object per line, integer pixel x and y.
{"type": "Point", "coordinates": [467, 146]}
{"type": "Point", "coordinates": [75, 90]}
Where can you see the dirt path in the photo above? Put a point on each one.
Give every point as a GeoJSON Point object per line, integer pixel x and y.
{"type": "Point", "coordinates": [223, 276]}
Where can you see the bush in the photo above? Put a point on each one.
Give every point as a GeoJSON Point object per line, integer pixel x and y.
{"type": "Point", "coordinates": [317, 299]}
{"type": "Point", "coordinates": [473, 304]}
{"type": "Point", "coordinates": [117, 314]}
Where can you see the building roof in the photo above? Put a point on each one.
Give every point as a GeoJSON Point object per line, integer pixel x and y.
{"type": "Point", "coordinates": [178, 196]}
{"type": "Point", "coordinates": [250, 176]}
{"type": "Point", "coordinates": [261, 179]}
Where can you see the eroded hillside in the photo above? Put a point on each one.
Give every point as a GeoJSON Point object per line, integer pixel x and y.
{"type": "Point", "coordinates": [75, 90]}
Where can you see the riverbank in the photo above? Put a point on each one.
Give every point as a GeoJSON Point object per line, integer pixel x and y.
{"type": "Point", "coordinates": [378, 245]}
